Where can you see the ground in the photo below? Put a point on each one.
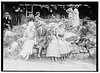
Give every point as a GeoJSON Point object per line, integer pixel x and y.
{"type": "Point", "coordinates": [33, 64]}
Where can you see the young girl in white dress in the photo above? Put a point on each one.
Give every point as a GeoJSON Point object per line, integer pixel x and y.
{"type": "Point", "coordinates": [64, 46]}
{"type": "Point", "coordinates": [53, 50]}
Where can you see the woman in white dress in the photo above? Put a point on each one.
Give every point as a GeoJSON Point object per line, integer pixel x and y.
{"type": "Point", "coordinates": [53, 50]}
{"type": "Point", "coordinates": [70, 16]}
{"type": "Point", "coordinates": [64, 46]}
{"type": "Point", "coordinates": [76, 20]}
{"type": "Point", "coordinates": [29, 40]}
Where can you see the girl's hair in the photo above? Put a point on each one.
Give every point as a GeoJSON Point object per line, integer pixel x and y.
{"type": "Point", "coordinates": [30, 19]}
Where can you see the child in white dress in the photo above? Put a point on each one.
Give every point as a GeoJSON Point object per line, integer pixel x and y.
{"type": "Point", "coordinates": [63, 45]}
{"type": "Point", "coordinates": [53, 50]}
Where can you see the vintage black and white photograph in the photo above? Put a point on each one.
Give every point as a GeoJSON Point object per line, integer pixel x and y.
{"type": "Point", "coordinates": [49, 36]}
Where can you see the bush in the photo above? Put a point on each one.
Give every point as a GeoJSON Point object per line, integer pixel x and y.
{"type": "Point", "coordinates": [8, 40]}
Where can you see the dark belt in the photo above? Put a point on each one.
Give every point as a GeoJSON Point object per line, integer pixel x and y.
{"type": "Point", "coordinates": [61, 36]}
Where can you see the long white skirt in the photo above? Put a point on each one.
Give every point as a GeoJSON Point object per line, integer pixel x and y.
{"type": "Point", "coordinates": [64, 47]}
{"type": "Point", "coordinates": [53, 50]}
{"type": "Point", "coordinates": [27, 48]}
